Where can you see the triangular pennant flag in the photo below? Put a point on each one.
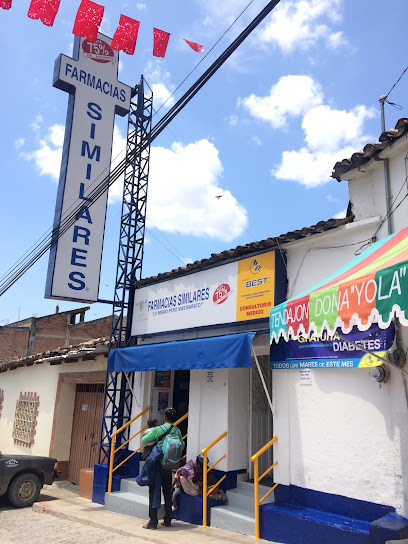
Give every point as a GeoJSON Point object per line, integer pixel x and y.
{"type": "Point", "coordinates": [160, 42]}
{"type": "Point", "coordinates": [195, 46]}
{"type": "Point", "coordinates": [5, 4]}
{"type": "Point", "coordinates": [45, 10]}
{"type": "Point", "coordinates": [88, 20]}
{"type": "Point", "coordinates": [125, 36]}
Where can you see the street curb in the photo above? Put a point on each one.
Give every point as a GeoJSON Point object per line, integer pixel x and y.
{"type": "Point", "coordinates": [44, 508]}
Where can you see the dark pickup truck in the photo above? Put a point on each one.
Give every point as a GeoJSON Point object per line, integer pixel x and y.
{"type": "Point", "coordinates": [22, 477]}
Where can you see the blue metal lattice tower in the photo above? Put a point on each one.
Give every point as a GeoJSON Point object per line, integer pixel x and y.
{"type": "Point", "coordinates": [118, 390]}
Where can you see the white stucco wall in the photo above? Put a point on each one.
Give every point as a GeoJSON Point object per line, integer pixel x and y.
{"type": "Point", "coordinates": [43, 380]}
{"type": "Point", "coordinates": [344, 434]}
{"type": "Point", "coordinates": [219, 403]}
{"type": "Point", "coordinates": [367, 189]}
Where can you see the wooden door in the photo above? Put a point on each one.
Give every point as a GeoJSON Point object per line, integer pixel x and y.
{"type": "Point", "coordinates": [86, 428]}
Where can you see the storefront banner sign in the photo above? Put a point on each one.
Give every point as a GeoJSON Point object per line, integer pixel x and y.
{"type": "Point", "coordinates": [95, 96]}
{"type": "Point", "coordinates": [330, 351]}
{"type": "Point", "coordinates": [239, 291]}
{"type": "Point", "coordinates": [372, 288]}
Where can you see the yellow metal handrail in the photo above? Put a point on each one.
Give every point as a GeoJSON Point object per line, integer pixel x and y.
{"type": "Point", "coordinates": [206, 470]}
{"type": "Point", "coordinates": [113, 440]}
{"type": "Point", "coordinates": [113, 451]}
{"type": "Point", "coordinates": [258, 478]}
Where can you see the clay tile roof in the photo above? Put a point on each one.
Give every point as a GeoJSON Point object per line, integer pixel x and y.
{"type": "Point", "coordinates": [57, 356]}
{"type": "Point", "coordinates": [248, 249]}
{"type": "Point", "coordinates": [370, 151]}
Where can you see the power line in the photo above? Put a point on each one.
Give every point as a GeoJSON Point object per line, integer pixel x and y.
{"type": "Point", "coordinates": [70, 218]}
{"type": "Point", "coordinates": [206, 55]}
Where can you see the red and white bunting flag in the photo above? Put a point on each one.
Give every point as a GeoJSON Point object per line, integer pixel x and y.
{"type": "Point", "coordinates": [88, 20]}
{"type": "Point", "coordinates": [5, 4]}
{"type": "Point", "coordinates": [195, 46]}
{"type": "Point", "coordinates": [125, 36]}
{"type": "Point", "coordinates": [45, 10]}
{"type": "Point", "coordinates": [160, 42]}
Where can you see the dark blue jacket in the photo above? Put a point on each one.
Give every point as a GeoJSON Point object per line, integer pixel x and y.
{"type": "Point", "coordinates": [150, 475]}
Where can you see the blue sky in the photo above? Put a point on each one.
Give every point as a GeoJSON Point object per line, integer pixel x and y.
{"type": "Point", "coordinates": [301, 93]}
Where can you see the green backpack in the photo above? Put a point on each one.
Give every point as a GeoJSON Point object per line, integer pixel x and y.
{"type": "Point", "coordinates": [172, 450]}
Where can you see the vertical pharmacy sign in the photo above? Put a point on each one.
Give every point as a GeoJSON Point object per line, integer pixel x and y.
{"type": "Point", "coordinates": [95, 95]}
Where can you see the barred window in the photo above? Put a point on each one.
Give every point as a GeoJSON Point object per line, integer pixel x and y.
{"type": "Point", "coordinates": [25, 419]}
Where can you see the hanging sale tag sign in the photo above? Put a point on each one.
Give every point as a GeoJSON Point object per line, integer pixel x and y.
{"type": "Point", "coordinates": [95, 96]}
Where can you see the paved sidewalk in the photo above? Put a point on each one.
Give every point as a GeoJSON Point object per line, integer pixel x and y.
{"type": "Point", "coordinates": [62, 501]}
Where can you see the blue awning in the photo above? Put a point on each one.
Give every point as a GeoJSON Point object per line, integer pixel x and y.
{"type": "Point", "coordinates": [231, 351]}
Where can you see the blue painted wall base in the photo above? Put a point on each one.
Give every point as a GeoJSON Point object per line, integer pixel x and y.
{"type": "Point", "coordinates": [304, 516]}
{"type": "Point", "coordinates": [190, 509]}
{"type": "Point", "coordinates": [100, 483]}
{"type": "Point", "coordinates": [390, 527]}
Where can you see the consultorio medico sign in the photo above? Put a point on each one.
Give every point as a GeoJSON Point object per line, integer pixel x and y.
{"type": "Point", "coordinates": [240, 291]}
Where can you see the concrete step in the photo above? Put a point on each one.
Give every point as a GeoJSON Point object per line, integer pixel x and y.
{"type": "Point", "coordinates": [129, 485]}
{"type": "Point", "coordinates": [231, 518]}
{"type": "Point", "coordinates": [130, 504]}
{"type": "Point", "coordinates": [249, 486]}
{"type": "Point", "coordinates": [242, 496]}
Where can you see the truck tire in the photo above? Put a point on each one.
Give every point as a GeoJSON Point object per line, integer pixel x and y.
{"type": "Point", "coordinates": [24, 489]}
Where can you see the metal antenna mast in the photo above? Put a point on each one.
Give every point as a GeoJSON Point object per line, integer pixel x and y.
{"type": "Point", "coordinates": [118, 391]}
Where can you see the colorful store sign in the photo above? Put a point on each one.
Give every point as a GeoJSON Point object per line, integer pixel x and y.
{"type": "Point", "coordinates": [243, 290]}
{"type": "Point", "coordinates": [327, 350]}
{"type": "Point", "coordinates": [373, 287]}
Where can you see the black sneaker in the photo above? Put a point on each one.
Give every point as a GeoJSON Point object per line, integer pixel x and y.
{"type": "Point", "coordinates": [149, 525]}
{"type": "Point", "coordinates": [166, 523]}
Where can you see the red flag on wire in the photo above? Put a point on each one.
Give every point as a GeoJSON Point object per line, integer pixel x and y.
{"type": "Point", "coordinates": [88, 20]}
{"type": "Point", "coordinates": [196, 46]}
{"type": "Point", "coordinates": [45, 10]}
{"type": "Point", "coordinates": [125, 35]}
{"type": "Point", "coordinates": [160, 42]}
{"type": "Point", "coordinates": [5, 4]}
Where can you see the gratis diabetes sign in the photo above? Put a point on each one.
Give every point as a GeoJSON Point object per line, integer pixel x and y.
{"type": "Point", "coordinates": [239, 291]}
{"type": "Point", "coordinates": [330, 351]}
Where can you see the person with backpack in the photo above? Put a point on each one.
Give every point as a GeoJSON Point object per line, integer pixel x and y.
{"type": "Point", "coordinates": [170, 441]}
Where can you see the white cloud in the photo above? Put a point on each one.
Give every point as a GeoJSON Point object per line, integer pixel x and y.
{"type": "Point", "coordinates": [232, 120]}
{"type": "Point", "coordinates": [36, 124]}
{"type": "Point", "coordinates": [224, 12]}
{"type": "Point", "coordinates": [18, 144]}
{"type": "Point", "coordinates": [183, 184]}
{"type": "Point", "coordinates": [162, 96]}
{"type": "Point", "coordinates": [341, 214]}
{"type": "Point", "coordinates": [160, 82]}
{"type": "Point", "coordinates": [330, 135]}
{"type": "Point", "coordinates": [47, 156]}
{"type": "Point", "coordinates": [292, 96]}
{"type": "Point", "coordinates": [141, 7]}
{"type": "Point", "coordinates": [336, 40]}
{"type": "Point", "coordinates": [328, 129]}
{"type": "Point", "coordinates": [256, 140]}
{"type": "Point", "coordinates": [302, 24]}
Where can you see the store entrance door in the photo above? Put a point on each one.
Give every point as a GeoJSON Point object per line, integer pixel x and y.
{"type": "Point", "coordinates": [261, 420]}
{"type": "Point", "coordinates": [181, 393]}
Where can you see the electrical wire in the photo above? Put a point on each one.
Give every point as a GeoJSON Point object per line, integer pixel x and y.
{"type": "Point", "coordinates": [206, 55]}
{"type": "Point", "coordinates": [70, 218]}
{"type": "Point", "coordinates": [393, 104]}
